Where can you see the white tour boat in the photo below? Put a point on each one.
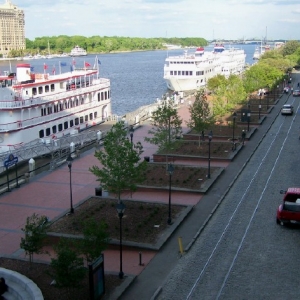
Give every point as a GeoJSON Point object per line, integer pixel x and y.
{"type": "Point", "coordinates": [77, 51]}
{"type": "Point", "coordinates": [190, 72]}
{"type": "Point", "coordinates": [49, 106]}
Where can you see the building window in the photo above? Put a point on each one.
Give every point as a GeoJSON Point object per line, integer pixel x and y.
{"type": "Point", "coordinates": [71, 123]}
{"type": "Point", "coordinates": [76, 121]}
{"type": "Point", "coordinates": [41, 133]}
{"type": "Point", "coordinates": [60, 128]}
{"type": "Point", "coordinates": [54, 129]}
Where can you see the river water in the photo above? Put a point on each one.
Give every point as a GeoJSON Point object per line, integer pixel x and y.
{"type": "Point", "coordinates": [136, 77]}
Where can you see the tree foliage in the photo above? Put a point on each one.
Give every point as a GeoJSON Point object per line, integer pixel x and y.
{"type": "Point", "coordinates": [121, 168]}
{"type": "Point", "coordinates": [35, 232]}
{"type": "Point", "coordinates": [68, 268]}
{"type": "Point", "coordinates": [97, 44]}
{"type": "Point", "coordinates": [166, 126]}
{"type": "Point", "coordinates": [200, 114]}
{"type": "Point", "coordinates": [95, 239]}
{"type": "Point", "coordinates": [290, 47]}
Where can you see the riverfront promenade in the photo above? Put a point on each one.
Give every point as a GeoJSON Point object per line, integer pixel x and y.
{"type": "Point", "coordinates": [48, 193]}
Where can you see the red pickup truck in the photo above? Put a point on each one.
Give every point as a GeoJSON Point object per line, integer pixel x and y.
{"type": "Point", "coordinates": [288, 211]}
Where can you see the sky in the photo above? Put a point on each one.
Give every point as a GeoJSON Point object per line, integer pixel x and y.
{"type": "Point", "coordinates": [209, 19]}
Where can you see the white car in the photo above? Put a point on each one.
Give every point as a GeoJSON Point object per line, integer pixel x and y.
{"type": "Point", "coordinates": [287, 109]}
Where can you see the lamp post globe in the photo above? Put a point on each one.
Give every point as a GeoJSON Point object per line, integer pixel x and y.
{"type": "Point", "coordinates": [120, 209]}
{"type": "Point", "coordinates": [69, 162]}
{"type": "Point", "coordinates": [170, 171]}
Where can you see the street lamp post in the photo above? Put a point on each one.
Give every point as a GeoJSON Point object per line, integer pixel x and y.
{"type": "Point", "coordinates": [233, 128]}
{"type": "Point", "coordinates": [120, 210]}
{"type": "Point", "coordinates": [69, 161]}
{"type": "Point", "coordinates": [131, 131]}
{"type": "Point", "coordinates": [259, 107]}
{"type": "Point", "coordinates": [170, 171]}
{"type": "Point", "coordinates": [209, 141]}
{"type": "Point", "coordinates": [17, 181]}
{"type": "Point", "coordinates": [248, 118]}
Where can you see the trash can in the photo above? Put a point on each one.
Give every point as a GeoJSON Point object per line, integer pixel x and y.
{"type": "Point", "coordinates": [98, 191]}
{"type": "Point", "coordinates": [147, 158]}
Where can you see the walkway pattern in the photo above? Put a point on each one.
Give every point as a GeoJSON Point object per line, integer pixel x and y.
{"type": "Point", "coordinates": [49, 194]}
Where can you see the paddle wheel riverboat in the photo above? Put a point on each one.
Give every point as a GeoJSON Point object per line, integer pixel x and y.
{"type": "Point", "coordinates": [49, 106]}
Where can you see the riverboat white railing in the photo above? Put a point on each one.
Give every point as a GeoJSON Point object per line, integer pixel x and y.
{"type": "Point", "coordinates": [52, 117]}
{"type": "Point", "coordinates": [36, 100]}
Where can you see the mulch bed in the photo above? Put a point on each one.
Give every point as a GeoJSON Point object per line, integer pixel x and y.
{"type": "Point", "coordinates": [142, 222]}
{"type": "Point", "coordinates": [187, 177]}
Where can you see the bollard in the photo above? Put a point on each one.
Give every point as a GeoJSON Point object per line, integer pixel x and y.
{"type": "Point", "coordinates": [140, 258]}
{"type": "Point", "coordinates": [180, 245]}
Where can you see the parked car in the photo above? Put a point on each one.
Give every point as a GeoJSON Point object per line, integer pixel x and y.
{"type": "Point", "coordinates": [296, 93]}
{"type": "Point", "coordinates": [288, 211]}
{"type": "Point", "coordinates": [287, 109]}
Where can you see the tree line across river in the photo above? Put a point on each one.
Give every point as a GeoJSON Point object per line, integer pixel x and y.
{"type": "Point", "coordinates": [97, 44]}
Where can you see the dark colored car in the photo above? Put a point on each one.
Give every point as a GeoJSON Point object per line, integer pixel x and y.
{"type": "Point", "coordinates": [289, 211]}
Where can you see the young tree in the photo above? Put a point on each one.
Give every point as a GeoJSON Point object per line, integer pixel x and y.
{"type": "Point", "coordinates": [68, 268]}
{"type": "Point", "coordinates": [35, 232]}
{"type": "Point", "coordinates": [166, 126]}
{"type": "Point", "coordinates": [200, 114]}
{"type": "Point", "coordinates": [95, 239]}
{"type": "Point", "coordinates": [121, 166]}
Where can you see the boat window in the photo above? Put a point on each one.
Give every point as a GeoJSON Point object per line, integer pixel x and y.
{"type": "Point", "coordinates": [98, 96]}
{"type": "Point", "coordinates": [86, 118]}
{"type": "Point", "coordinates": [61, 106]}
{"type": "Point", "coordinates": [41, 133]}
{"type": "Point", "coordinates": [48, 132]}
{"type": "Point", "coordinates": [60, 127]}
{"type": "Point", "coordinates": [52, 87]}
{"type": "Point", "coordinates": [49, 110]}
{"type": "Point", "coordinates": [76, 121]}
{"type": "Point", "coordinates": [42, 112]}
{"type": "Point", "coordinates": [61, 85]}
{"type": "Point", "coordinates": [91, 116]}
{"type": "Point", "coordinates": [47, 89]}
{"type": "Point", "coordinates": [77, 102]}
{"type": "Point", "coordinates": [175, 72]}
{"type": "Point", "coordinates": [71, 123]}
{"type": "Point", "coordinates": [81, 120]}
{"type": "Point", "coordinates": [108, 94]}
{"type": "Point", "coordinates": [191, 73]}
{"type": "Point", "coordinates": [171, 72]}
{"type": "Point", "coordinates": [66, 125]}
{"type": "Point", "coordinates": [95, 115]}
{"type": "Point", "coordinates": [54, 129]}
{"type": "Point", "coordinates": [105, 95]}
{"type": "Point", "coordinates": [82, 100]}
{"type": "Point", "coordinates": [34, 91]}
{"type": "Point", "coordinates": [179, 72]}
{"type": "Point", "coordinates": [40, 90]}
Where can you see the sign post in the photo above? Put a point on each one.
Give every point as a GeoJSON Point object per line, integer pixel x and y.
{"type": "Point", "coordinates": [96, 278]}
{"type": "Point", "coordinates": [10, 161]}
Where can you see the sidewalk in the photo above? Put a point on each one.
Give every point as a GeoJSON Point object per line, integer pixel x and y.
{"type": "Point", "coordinates": [49, 194]}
